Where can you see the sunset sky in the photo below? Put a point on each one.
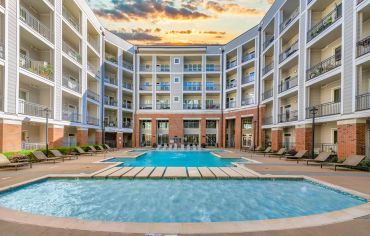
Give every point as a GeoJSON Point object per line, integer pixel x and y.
{"type": "Point", "coordinates": [179, 22]}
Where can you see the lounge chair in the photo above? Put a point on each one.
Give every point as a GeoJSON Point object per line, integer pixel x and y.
{"type": "Point", "coordinates": [57, 153]}
{"type": "Point", "coordinates": [100, 147]}
{"type": "Point", "coordinates": [321, 158]}
{"type": "Point", "coordinates": [5, 163]}
{"type": "Point", "coordinates": [279, 153]}
{"type": "Point", "coordinates": [80, 151]}
{"type": "Point", "coordinates": [41, 157]}
{"type": "Point", "coordinates": [267, 150]}
{"type": "Point", "coordinates": [109, 148]}
{"type": "Point", "coordinates": [299, 155]}
{"type": "Point", "coordinates": [93, 149]}
{"type": "Point", "coordinates": [350, 162]}
{"type": "Point", "coordinates": [258, 149]}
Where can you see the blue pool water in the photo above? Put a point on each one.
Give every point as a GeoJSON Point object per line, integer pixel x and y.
{"type": "Point", "coordinates": [176, 200]}
{"type": "Point", "coordinates": [177, 158]}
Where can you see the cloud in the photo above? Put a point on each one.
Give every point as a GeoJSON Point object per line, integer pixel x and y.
{"type": "Point", "coordinates": [131, 10]}
{"type": "Point", "coordinates": [232, 8]}
{"type": "Point", "coordinates": [138, 35]}
{"type": "Point", "coordinates": [179, 32]}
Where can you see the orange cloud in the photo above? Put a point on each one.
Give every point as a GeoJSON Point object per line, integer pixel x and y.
{"type": "Point", "coordinates": [233, 8]}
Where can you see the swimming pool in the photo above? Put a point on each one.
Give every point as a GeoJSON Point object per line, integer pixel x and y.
{"type": "Point", "coordinates": [176, 159]}
{"type": "Point", "coordinates": [176, 200]}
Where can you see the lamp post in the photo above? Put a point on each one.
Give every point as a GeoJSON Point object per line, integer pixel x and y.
{"type": "Point", "coordinates": [46, 110]}
{"type": "Point", "coordinates": [313, 112]}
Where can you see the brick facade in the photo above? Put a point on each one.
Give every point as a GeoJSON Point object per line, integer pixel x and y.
{"type": "Point", "coordinates": [303, 138]}
{"type": "Point", "coordinates": [55, 136]}
{"type": "Point", "coordinates": [98, 137]}
{"type": "Point", "coordinates": [276, 139]}
{"type": "Point", "coordinates": [82, 137]}
{"type": "Point", "coordinates": [10, 136]}
{"type": "Point", "coordinates": [351, 138]}
{"type": "Point", "coordinates": [119, 140]}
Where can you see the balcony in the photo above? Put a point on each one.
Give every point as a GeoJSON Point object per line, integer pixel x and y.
{"type": "Point", "coordinates": [288, 52]}
{"type": "Point", "coordinates": [163, 106]}
{"type": "Point", "coordinates": [231, 84]}
{"type": "Point", "coordinates": [127, 125]}
{"type": "Point", "coordinates": [33, 109]}
{"type": "Point", "coordinates": [268, 120]}
{"type": "Point", "coordinates": [323, 67]}
{"type": "Point", "coordinates": [212, 106]}
{"type": "Point", "coordinates": [248, 57]}
{"type": "Point", "coordinates": [213, 68]}
{"type": "Point", "coordinates": [111, 124]}
{"type": "Point", "coordinates": [163, 87]}
{"type": "Point", "coordinates": [268, 68]}
{"type": "Point", "coordinates": [34, 23]}
{"type": "Point", "coordinates": [193, 68]}
{"type": "Point", "coordinates": [363, 46]}
{"type": "Point", "coordinates": [93, 41]}
{"type": "Point", "coordinates": [110, 102]}
{"type": "Point", "coordinates": [41, 68]}
{"type": "Point", "coordinates": [212, 87]}
{"type": "Point", "coordinates": [146, 68]}
{"type": "Point", "coordinates": [110, 80]}
{"type": "Point", "coordinates": [92, 95]}
{"type": "Point", "coordinates": [230, 104]}
{"type": "Point", "coordinates": [71, 19]}
{"type": "Point", "coordinates": [146, 106]}
{"type": "Point", "coordinates": [163, 68]}
{"type": "Point", "coordinates": [287, 22]}
{"type": "Point", "coordinates": [192, 86]}
{"type": "Point", "coordinates": [127, 105]}
{"type": "Point", "coordinates": [92, 120]}
{"type": "Point", "coordinates": [126, 85]}
{"type": "Point", "coordinates": [231, 64]}
{"type": "Point", "coordinates": [267, 94]}
{"type": "Point", "coordinates": [268, 41]}
{"type": "Point", "coordinates": [191, 106]}
{"type": "Point", "coordinates": [247, 101]}
{"type": "Point", "coordinates": [359, 1]}
{"type": "Point", "coordinates": [145, 87]}
{"type": "Point", "coordinates": [288, 116]}
{"type": "Point", "coordinates": [71, 84]}
{"type": "Point", "coordinates": [2, 50]}
{"type": "Point", "coordinates": [247, 79]}
{"type": "Point", "coordinates": [111, 58]}
{"type": "Point", "coordinates": [288, 84]}
{"type": "Point", "coordinates": [363, 102]}
{"type": "Point", "coordinates": [326, 109]}
{"type": "Point", "coordinates": [325, 23]}
{"type": "Point", "coordinates": [71, 115]}
{"type": "Point", "coordinates": [93, 69]}
{"type": "Point", "coordinates": [71, 52]}
{"type": "Point", "coordinates": [127, 65]}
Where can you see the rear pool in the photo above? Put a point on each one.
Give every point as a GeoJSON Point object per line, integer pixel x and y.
{"type": "Point", "coordinates": [176, 200]}
{"type": "Point", "coordinates": [177, 158]}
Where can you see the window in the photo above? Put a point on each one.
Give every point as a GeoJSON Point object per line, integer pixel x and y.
{"type": "Point", "coordinates": [176, 60]}
{"type": "Point", "coordinates": [191, 124]}
{"type": "Point", "coordinates": [336, 95]}
{"type": "Point", "coordinates": [162, 124]}
{"type": "Point", "coordinates": [211, 124]}
{"type": "Point", "coordinates": [146, 124]}
{"type": "Point", "coordinates": [176, 99]}
{"type": "Point", "coordinates": [335, 136]}
{"type": "Point", "coordinates": [247, 123]}
{"type": "Point", "coordinates": [177, 79]}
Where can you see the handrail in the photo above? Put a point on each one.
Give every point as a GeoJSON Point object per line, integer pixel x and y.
{"type": "Point", "coordinates": [71, 115]}
{"type": "Point", "coordinates": [33, 109]}
{"type": "Point", "coordinates": [91, 120]}
{"type": "Point", "coordinates": [93, 95]}
{"type": "Point", "coordinates": [325, 109]}
{"type": "Point", "coordinates": [213, 106]}
{"type": "Point", "coordinates": [41, 68]}
{"type": "Point", "coordinates": [268, 41]}
{"type": "Point", "coordinates": [363, 46]}
{"type": "Point", "coordinates": [231, 104]}
{"type": "Point", "coordinates": [70, 18]}
{"type": "Point", "coordinates": [163, 87]}
{"type": "Point", "coordinates": [71, 52]}
{"type": "Point", "coordinates": [323, 67]}
{"type": "Point", "coordinates": [267, 94]}
{"type": "Point", "coordinates": [192, 67]}
{"type": "Point", "coordinates": [363, 102]}
{"type": "Point", "coordinates": [231, 64]}
{"type": "Point", "coordinates": [288, 116]}
{"type": "Point", "coordinates": [127, 65]}
{"type": "Point", "coordinates": [71, 84]}
{"type": "Point", "coordinates": [34, 23]}
{"type": "Point", "coordinates": [126, 85]}
{"type": "Point", "coordinates": [268, 68]}
{"type": "Point", "coordinates": [248, 57]}
{"type": "Point", "coordinates": [213, 68]}
{"type": "Point", "coordinates": [145, 87]}
{"type": "Point", "coordinates": [231, 84]}
{"type": "Point", "coordinates": [189, 106]}
{"type": "Point", "coordinates": [288, 84]}
{"type": "Point", "coordinates": [288, 52]}
{"type": "Point", "coordinates": [247, 79]}
{"type": "Point", "coordinates": [110, 80]}
{"type": "Point", "coordinates": [247, 101]}
{"type": "Point", "coordinates": [163, 106]}
{"type": "Point", "coordinates": [291, 17]}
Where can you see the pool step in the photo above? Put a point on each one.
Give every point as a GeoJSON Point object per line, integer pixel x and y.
{"type": "Point", "coordinates": [176, 172]}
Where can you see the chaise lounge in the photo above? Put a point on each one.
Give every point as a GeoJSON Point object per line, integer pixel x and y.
{"type": "Point", "coordinates": [93, 149]}
{"type": "Point", "coordinates": [57, 153]}
{"type": "Point", "coordinates": [267, 150]}
{"type": "Point", "coordinates": [298, 156]}
{"type": "Point", "coordinates": [350, 162]}
{"type": "Point", "coordinates": [80, 151]}
{"type": "Point", "coordinates": [279, 153]}
{"type": "Point", "coordinates": [321, 158]}
{"type": "Point", "coordinates": [5, 163]}
{"type": "Point", "coordinates": [41, 157]}
{"type": "Point", "coordinates": [109, 148]}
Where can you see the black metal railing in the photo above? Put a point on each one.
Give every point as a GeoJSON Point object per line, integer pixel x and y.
{"type": "Point", "coordinates": [212, 106]}
{"type": "Point", "coordinates": [92, 120]}
{"type": "Point", "coordinates": [163, 87]}
{"type": "Point", "coordinates": [248, 57]}
{"type": "Point", "coordinates": [323, 67]}
{"type": "Point", "coordinates": [231, 64]}
{"type": "Point", "coordinates": [247, 79]}
{"type": "Point", "coordinates": [363, 102]}
{"type": "Point", "coordinates": [267, 94]}
{"type": "Point", "coordinates": [187, 106]}
{"type": "Point", "coordinates": [72, 116]}
{"type": "Point", "coordinates": [288, 84]}
{"type": "Point", "coordinates": [326, 109]}
{"type": "Point", "coordinates": [163, 106]}
{"type": "Point", "coordinates": [268, 120]}
{"type": "Point", "coordinates": [146, 106]}
{"type": "Point", "coordinates": [268, 41]}
{"type": "Point", "coordinates": [231, 104]}
{"type": "Point", "coordinates": [127, 124]}
{"type": "Point", "coordinates": [324, 23]}
{"type": "Point", "coordinates": [267, 68]}
{"type": "Point", "coordinates": [247, 101]}
{"type": "Point", "coordinates": [231, 84]}
{"type": "Point", "coordinates": [287, 22]}
{"type": "Point", "coordinates": [288, 52]}
{"type": "Point", "coordinates": [288, 116]}
{"type": "Point", "coordinates": [363, 46]}
{"type": "Point", "coordinates": [92, 95]}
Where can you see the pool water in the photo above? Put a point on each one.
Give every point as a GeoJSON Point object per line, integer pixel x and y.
{"type": "Point", "coordinates": [176, 200]}
{"type": "Point", "coordinates": [177, 158]}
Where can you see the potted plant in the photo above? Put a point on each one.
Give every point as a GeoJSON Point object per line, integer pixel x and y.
{"type": "Point", "coordinates": [47, 71]}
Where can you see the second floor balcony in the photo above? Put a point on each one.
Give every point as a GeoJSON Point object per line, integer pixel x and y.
{"type": "Point", "coordinates": [248, 57]}
{"type": "Point", "coordinates": [192, 106]}
{"type": "Point", "coordinates": [192, 86]}
{"type": "Point", "coordinates": [247, 101]}
{"type": "Point", "coordinates": [230, 104]}
{"type": "Point", "coordinates": [288, 84]}
{"type": "Point", "coordinates": [363, 102]}
{"type": "Point", "coordinates": [268, 68]}
{"type": "Point", "coordinates": [288, 52]}
{"type": "Point", "coordinates": [363, 46]}
{"type": "Point", "coordinates": [93, 120]}
{"type": "Point", "coordinates": [324, 66]}
{"type": "Point", "coordinates": [41, 68]}
{"type": "Point", "coordinates": [34, 109]}
{"type": "Point", "coordinates": [288, 116]}
{"type": "Point", "coordinates": [93, 95]}
{"type": "Point", "coordinates": [163, 87]}
{"type": "Point", "coordinates": [163, 105]}
{"type": "Point", "coordinates": [71, 83]}
{"type": "Point", "coordinates": [267, 94]}
{"type": "Point", "coordinates": [325, 109]}
{"type": "Point", "coordinates": [30, 20]}
{"type": "Point", "coordinates": [231, 84]}
{"type": "Point", "coordinates": [67, 49]}
{"type": "Point", "coordinates": [71, 115]}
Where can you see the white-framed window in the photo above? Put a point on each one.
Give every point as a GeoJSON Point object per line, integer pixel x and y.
{"type": "Point", "coordinates": [176, 99]}
{"type": "Point", "coordinates": [176, 60]}
{"type": "Point", "coordinates": [176, 79]}
{"type": "Point", "coordinates": [334, 136]}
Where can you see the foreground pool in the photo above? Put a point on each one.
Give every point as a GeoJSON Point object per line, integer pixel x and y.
{"type": "Point", "coordinates": [177, 158]}
{"type": "Point", "coordinates": [176, 200]}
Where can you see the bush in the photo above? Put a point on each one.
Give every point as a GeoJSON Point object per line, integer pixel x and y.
{"type": "Point", "coordinates": [154, 145]}
{"type": "Point", "coordinates": [365, 163]}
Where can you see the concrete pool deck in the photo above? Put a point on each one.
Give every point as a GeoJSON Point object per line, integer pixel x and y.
{"type": "Point", "coordinates": [356, 222]}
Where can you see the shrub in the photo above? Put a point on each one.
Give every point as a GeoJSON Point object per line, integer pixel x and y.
{"type": "Point", "coordinates": [365, 163]}
{"type": "Point", "coordinates": [154, 145]}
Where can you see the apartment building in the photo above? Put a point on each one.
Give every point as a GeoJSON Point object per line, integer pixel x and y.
{"type": "Point", "coordinates": [262, 88]}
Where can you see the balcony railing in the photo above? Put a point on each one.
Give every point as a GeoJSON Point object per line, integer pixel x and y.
{"type": "Point", "coordinates": [92, 120]}
{"type": "Point", "coordinates": [146, 68]}
{"type": "Point", "coordinates": [231, 104]}
{"type": "Point", "coordinates": [126, 124]}
{"type": "Point", "coordinates": [212, 106]}
{"type": "Point", "coordinates": [247, 79]}
{"type": "Point", "coordinates": [248, 57]}
{"type": "Point", "coordinates": [192, 67]}
{"type": "Point", "coordinates": [146, 106]}
{"type": "Point", "coordinates": [34, 23]}
{"type": "Point", "coordinates": [247, 101]}
{"type": "Point", "coordinates": [267, 68]}
{"type": "Point", "coordinates": [33, 109]}
{"type": "Point", "coordinates": [163, 68]}
{"type": "Point", "coordinates": [267, 94]}
{"type": "Point", "coordinates": [231, 84]}
{"type": "Point", "coordinates": [126, 105]}
{"type": "Point", "coordinates": [213, 68]}
{"type": "Point", "coordinates": [110, 102]}
{"type": "Point", "coordinates": [110, 80]}
{"type": "Point", "coordinates": [363, 46]}
{"type": "Point", "coordinates": [41, 68]}
{"type": "Point", "coordinates": [268, 41]}
{"type": "Point", "coordinates": [267, 120]}
{"type": "Point", "coordinates": [163, 106]}
{"type": "Point", "coordinates": [231, 64]}
{"type": "Point", "coordinates": [287, 22]}
{"type": "Point", "coordinates": [326, 109]}
{"type": "Point", "coordinates": [323, 67]}
{"type": "Point", "coordinates": [2, 50]}
{"type": "Point", "coordinates": [71, 52]}
{"type": "Point", "coordinates": [212, 87]}
{"type": "Point", "coordinates": [71, 19]}
{"type": "Point", "coordinates": [72, 116]}
{"type": "Point", "coordinates": [363, 102]}
{"type": "Point", "coordinates": [326, 147]}
{"type": "Point", "coordinates": [32, 146]}
{"type": "Point", "coordinates": [288, 116]}
{"type": "Point", "coordinates": [194, 87]}
{"type": "Point", "coordinates": [288, 84]}
{"type": "Point", "coordinates": [145, 87]}
{"type": "Point", "coordinates": [323, 24]}
{"type": "Point", "coordinates": [288, 52]}
{"type": "Point", "coordinates": [94, 42]}
{"type": "Point", "coordinates": [111, 124]}
{"type": "Point", "coordinates": [188, 106]}
{"type": "Point", "coordinates": [92, 95]}
{"type": "Point", "coordinates": [93, 69]}
{"type": "Point", "coordinates": [127, 65]}
{"type": "Point", "coordinates": [163, 87]}
{"type": "Point", "coordinates": [126, 85]}
{"type": "Point", "coordinates": [359, 1]}
{"type": "Point", "coordinates": [2, 3]}
{"type": "Point", "coordinates": [70, 83]}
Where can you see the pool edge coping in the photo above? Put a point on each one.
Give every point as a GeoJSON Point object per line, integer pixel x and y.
{"type": "Point", "coordinates": [343, 215]}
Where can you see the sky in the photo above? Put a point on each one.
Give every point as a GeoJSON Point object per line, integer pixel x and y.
{"type": "Point", "coordinates": [179, 22]}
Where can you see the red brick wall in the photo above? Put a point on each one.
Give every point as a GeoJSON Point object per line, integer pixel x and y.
{"type": "Point", "coordinates": [276, 139]}
{"type": "Point", "coordinates": [154, 131]}
{"type": "Point", "coordinates": [303, 139]}
{"type": "Point", "coordinates": [98, 137]}
{"type": "Point", "coordinates": [203, 131]}
{"type": "Point", "coordinates": [82, 137]}
{"type": "Point", "coordinates": [10, 137]}
{"type": "Point", "coordinates": [351, 139]}
{"type": "Point", "coordinates": [55, 137]}
{"type": "Point", "coordinates": [119, 139]}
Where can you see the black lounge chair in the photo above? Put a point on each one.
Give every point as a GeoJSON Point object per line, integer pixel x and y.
{"type": "Point", "coordinates": [350, 162]}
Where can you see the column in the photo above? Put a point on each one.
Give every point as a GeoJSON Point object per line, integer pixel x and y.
{"type": "Point", "coordinates": [98, 137]}
{"type": "Point", "coordinates": [303, 137]}
{"type": "Point", "coordinates": [351, 137]}
{"type": "Point", "coordinates": [10, 135]}
{"type": "Point", "coordinates": [82, 136]}
{"type": "Point", "coordinates": [55, 136]}
{"type": "Point", "coordinates": [119, 139]}
{"type": "Point", "coordinates": [203, 130]}
{"type": "Point", "coordinates": [276, 138]}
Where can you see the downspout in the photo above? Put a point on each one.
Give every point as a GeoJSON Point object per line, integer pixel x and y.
{"type": "Point", "coordinates": [135, 98]}
{"type": "Point", "coordinates": [102, 72]}
{"type": "Point", "coordinates": [222, 98]}
{"type": "Point", "coordinates": [259, 86]}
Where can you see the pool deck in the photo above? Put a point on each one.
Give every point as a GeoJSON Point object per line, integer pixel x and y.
{"type": "Point", "coordinates": [340, 223]}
